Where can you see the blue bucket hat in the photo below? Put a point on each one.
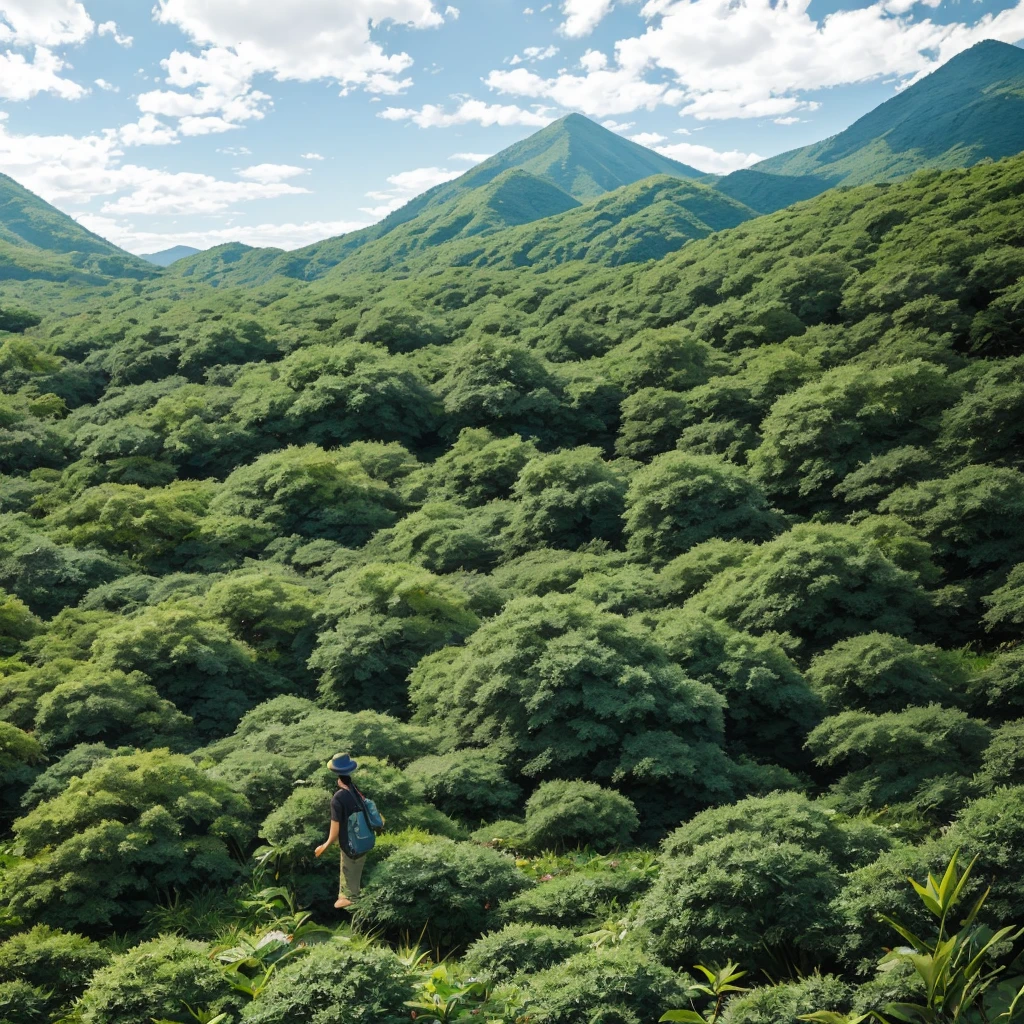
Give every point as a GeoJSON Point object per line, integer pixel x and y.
{"type": "Point", "coordinates": [342, 764]}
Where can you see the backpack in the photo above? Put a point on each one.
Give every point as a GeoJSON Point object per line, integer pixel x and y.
{"type": "Point", "coordinates": [363, 826]}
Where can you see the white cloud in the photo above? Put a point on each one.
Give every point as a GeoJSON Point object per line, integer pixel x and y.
{"type": "Point", "coordinates": [147, 131]}
{"type": "Point", "coordinates": [235, 151]}
{"type": "Point", "coordinates": [21, 79]}
{"type": "Point", "coordinates": [404, 186]}
{"type": "Point", "coordinates": [302, 40]}
{"type": "Point", "coordinates": [647, 138]}
{"type": "Point", "coordinates": [615, 126]}
{"type": "Point", "coordinates": [205, 125]}
{"type": "Point", "coordinates": [452, 12]}
{"type": "Point", "coordinates": [102, 83]}
{"type": "Point", "coordinates": [283, 236]}
{"type": "Point", "coordinates": [593, 60]}
{"type": "Point", "coordinates": [44, 22]}
{"type": "Point", "coordinates": [270, 172]}
{"type": "Point", "coordinates": [532, 54]}
{"type": "Point", "coordinates": [109, 28]}
{"type": "Point", "coordinates": [471, 158]}
{"type": "Point", "coordinates": [704, 158]}
{"type": "Point", "coordinates": [527, 10]}
{"type": "Point", "coordinates": [582, 16]}
{"type": "Point", "coordinates": [469, 112]}
{"type": "Point", "coordinates": [186, 192]}
{"type": "Point", "coordinates": [311, 156]}
{"type": "Point", "coordinates": [599, 92]}
{"type": "Point", "coordinates": [787, 120]}
{"type": "Point", "coordinates": [756, 58]}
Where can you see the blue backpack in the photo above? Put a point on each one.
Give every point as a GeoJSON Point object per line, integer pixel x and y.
{"type": "Point", "coordinates": [363, 826]}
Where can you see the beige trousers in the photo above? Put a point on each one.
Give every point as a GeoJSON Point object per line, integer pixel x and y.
{"type": "Point", "coordinates": [351, 875]}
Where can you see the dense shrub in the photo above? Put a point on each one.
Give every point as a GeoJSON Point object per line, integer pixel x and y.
{"type": "Point", "coordinates": [785, 1002]}
{"type": "Point", "coordinates": [561, 814]}
{"type": "Point", "coordinates": [454, 889]}
{"type": "Point", "coordinates": [154, 980]}
{"type": "Point", "coordinates": [336, 983]}
{"type": "Point", "coordinates": [467, 784]}
{"type": "Point", "coordinates": [573, 899]}
{"type": "Point", "coordinates": [619, 985]}
{"type": "Point", "coordinates": [519, 949]}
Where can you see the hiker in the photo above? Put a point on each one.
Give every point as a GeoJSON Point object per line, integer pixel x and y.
{"type": "Point", "coordinates": [347, 800]}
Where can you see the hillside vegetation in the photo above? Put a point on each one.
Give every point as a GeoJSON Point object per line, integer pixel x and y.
{"type": "Point", "coordinates": [672, 610]}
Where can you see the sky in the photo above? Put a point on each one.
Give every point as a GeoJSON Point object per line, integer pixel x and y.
{"type": "Point", "coordinates": [281, 122]}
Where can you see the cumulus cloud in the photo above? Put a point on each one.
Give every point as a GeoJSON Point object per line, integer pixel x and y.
{"type": "Point", "coordinates": [44, 22]}
{"type": "Point", "coordinates": [102, 83]}
{"type": "Point", "coordinates": [616, 126]}
{"type": "Point", "coordinates": [471, 158]}
{"type": "Point", "coordinates": [756, 58]}
{"type": "Point", "coordinates": [311, 156]}
{"type": "Point", "coordinates": [452, 12]}
{"type": "Point", "coordinates": [718, 59]}
{"type": "Point", "coordinates": [147, 131]}
{"type": "Point", "coordinates": [270, 172]}
{"type": "Point", "coordinates": [532, 54]}
{"type": "Point", "coordinates": [109, 28]}
{"type": "Point", "coordinates": [647, 138]}
{"type": "Point", "coordinates": [470, 112]}
{"type": "Point", "coordinates": [600, 91]}
{"type": "Point", "coordinates": [21, 79]}
{"type": "Point", "coordinates": [404, 186]}
{"type": "Point", "coordinates": [704, 158]}
{"type": "Point", "coordinates": [582, 16]}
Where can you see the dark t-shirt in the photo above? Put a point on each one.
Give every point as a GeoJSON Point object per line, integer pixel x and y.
{"type": "Point", "coordinates": [343, 803]}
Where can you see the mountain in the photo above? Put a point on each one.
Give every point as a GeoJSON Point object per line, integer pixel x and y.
{"type": "Point", "coordinates": [38, 241]}
{"type": "Point", "coordinates": [166, 257]}
{"type": "Point", "coordinates": [766, 193]}
{"type": "Point", "coordinates": [574, 155]}
{"type": "Point", "coordinates": [970, 109]}
{"type": "Point", "coordinates": [638, 222]}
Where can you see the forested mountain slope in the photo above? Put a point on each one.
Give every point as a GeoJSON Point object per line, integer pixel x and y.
{"type": "Point", "coordinates": [969, 109]}
{"type": "Point", "coordinates": [38, 241]}
{"type": "Point", "coordinates": [711, 564]}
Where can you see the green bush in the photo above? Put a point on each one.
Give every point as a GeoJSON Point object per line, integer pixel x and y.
{"type": "Point", "coordinates": [454, 889]}
{"type": "Point", "coordinates": [157, 979]}
{"type": "Point", "coordinates": [992, 828]}
{"type": "Point", "coordinates": [785, 1002]}
{"type": "Point", "coordinates": [53, 961]}
{"type": "Point", "coordinates": [563, 814]}
{"type": "Point", "coordinates": [880, 673]}
{"type": "Point", "coordinates": [131, 828]}
{"type": "Point", "coordinates": [571, 900]}
{"type": "Point", "coordinates": [520, 949]}
{"type": "Point", "coordinates": [335, 983]}
{"type": "Point", "coordinates": [471, 785]}
{"type": "Point", "coordinates": [620, 985]}
{"type": "Point", "coordinates": [1003, 761]}
{"type": "Point", "coordinates": [22, 1003]}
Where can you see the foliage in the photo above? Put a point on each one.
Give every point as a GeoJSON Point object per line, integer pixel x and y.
{"type": "Point", "coordinates": [521, 949]}
{"type": "Point", "coordinates": [562, 813]}
{"type": "Point", "coordinates": [131, 827]}
{"type": "Point", "coordinates": [453, 889]}
{"type": "Point", "coordinates": [161, 978]}
{"type": "Point", "coordinates": [469, 784]}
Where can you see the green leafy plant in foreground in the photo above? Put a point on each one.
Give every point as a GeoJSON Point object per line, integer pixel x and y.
{"type": "Point", "coordinates": [962, 978]}
{"type": "Point", "coordinates": [721, 982]}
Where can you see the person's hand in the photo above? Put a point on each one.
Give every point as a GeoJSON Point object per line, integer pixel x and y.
{"type": "Point", "coordinates": [320, 849]}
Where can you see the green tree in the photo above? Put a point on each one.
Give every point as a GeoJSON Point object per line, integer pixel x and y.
{"type": "Point", "coordinates": [818, 434]}
{"type": "Point", "coordinates": [381, 620]}
{"type": "Point", "coordinates": [472, 785]}
{"type": "Point", "coordinates": [566, 499]}
{"type": "Point", "coordinates": [454, 889]}
{"type": "Point", "coordinates": [562, 814]}
{"type": "Point", "coordinates": [158, 979]}
{"type": "Point", "coordinates": [818, 583]}
{"type": "Point", "coordinates": [108, 707]}
{"type": "Point", "coordinates": [921, 755]}
{"type": "Point", "coordinates": [193, 662]}
{"type": "Point", "coordinates": [681, 500]}
{"type": "Point", "coordinates": [770, 709]}
{"type": "Point", "coordinates": [570, 691]}
{"type": "Point", "coordinates": [878, 673]}
{"type": "Point", "coordinates": [308, 491]}
{"type": "Point", "coordinates": [132, 827]}
{"type": "Point", "coordinates": [1006, 603]}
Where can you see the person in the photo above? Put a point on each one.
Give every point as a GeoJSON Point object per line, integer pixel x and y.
{"type": "Point", "coordinates": [344, 802]}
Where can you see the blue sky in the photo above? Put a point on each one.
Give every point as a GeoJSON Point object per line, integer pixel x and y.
{"type": "Point", "coordinates": [279, 122]}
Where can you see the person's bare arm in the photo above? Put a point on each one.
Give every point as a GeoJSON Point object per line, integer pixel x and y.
{"type": "Point", "coordinates": [332, 838]}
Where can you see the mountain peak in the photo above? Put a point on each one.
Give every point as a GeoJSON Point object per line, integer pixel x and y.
{"type": "Point", "coordinates": [970, 108]}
